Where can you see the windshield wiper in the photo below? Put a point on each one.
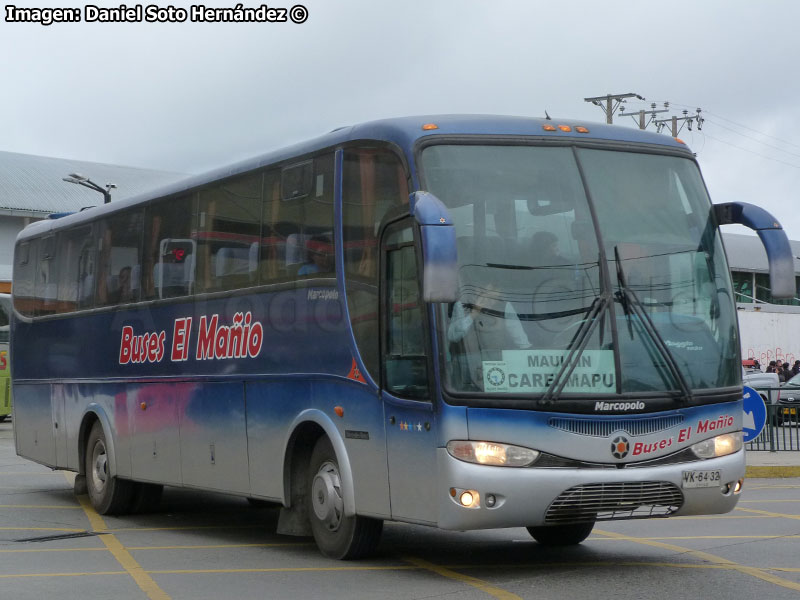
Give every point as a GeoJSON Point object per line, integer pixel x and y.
{"type": "Point", "coordinates": [632, 305]}
{"type": "Point", "coordinates": [595, 316]}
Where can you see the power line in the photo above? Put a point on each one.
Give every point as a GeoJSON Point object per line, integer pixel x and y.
{"type": "Point", "coordinates": [752, 152]}
{"type": "Point", "coordinates": [749, 137]}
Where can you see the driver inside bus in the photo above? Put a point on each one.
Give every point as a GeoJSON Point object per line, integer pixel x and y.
{"type": "Point", "coordinates": [481, 329]}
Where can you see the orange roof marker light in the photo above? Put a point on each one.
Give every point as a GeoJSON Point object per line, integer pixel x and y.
{"type": "Point", "coordinates": [548, 128]}
{"type": "Point", "coordinates": [580, 129]}
{"type": "Point", "coordinates": [565, 128]}
{"type": "Point", "coordinates": [429, 126]}
{"type": "Point", "coordinates": [680, 141]}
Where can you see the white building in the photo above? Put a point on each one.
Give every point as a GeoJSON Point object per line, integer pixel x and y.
{"type": "Point", "coordinates": [33, 187]}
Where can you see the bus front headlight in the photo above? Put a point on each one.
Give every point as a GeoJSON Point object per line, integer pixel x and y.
{"type": "Point", "coordinates": [492, 453]}
{"type": "Point", "coordinates": [722, 445]}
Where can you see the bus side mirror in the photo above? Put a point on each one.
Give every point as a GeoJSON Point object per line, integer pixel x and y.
{"type": "Point", "coordinates": [438, 239]}
{"type": "Point", "coordinates": [779, 252]}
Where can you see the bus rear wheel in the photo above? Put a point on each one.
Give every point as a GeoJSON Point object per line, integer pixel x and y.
{"type": "Point", "coordinates": [561, 535]}
{"type": "Point", "coordinates": [337, 536]}
{"type": "Point", "coordinates": [108, 494]}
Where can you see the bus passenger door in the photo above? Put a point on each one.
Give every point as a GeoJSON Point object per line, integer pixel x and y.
{"type": "Point", "coordinates": [406, 389]}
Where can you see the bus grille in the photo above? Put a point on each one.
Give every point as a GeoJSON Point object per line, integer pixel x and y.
{"type": "Point", "coordinates": [612, 501]}
{"type": "Point", "coordinates": [605, 428]}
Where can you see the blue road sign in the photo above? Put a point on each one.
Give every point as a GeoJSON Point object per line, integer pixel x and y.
{"type": "Point", "coordinates": [755, 414]}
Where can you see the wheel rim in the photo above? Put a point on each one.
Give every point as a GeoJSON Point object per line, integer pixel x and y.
{"type": "Point", "coordinates": [99, 466]}
{"type": "Point", "coordinates": [326, 496]}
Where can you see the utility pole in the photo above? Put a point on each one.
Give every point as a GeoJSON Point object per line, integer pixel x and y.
{"type": "Point", "coordinates": [612, 103]}
{"type": "Point", "coordinates": [686, 120]}
{"type": "Point", "coordinates": [642, 114]}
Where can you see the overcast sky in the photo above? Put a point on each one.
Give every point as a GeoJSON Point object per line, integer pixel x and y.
{"type": "Point", "coordinates": [189, 96]}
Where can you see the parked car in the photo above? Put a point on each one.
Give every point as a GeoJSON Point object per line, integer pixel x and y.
{"type": "Point", "coordinates": [789, 404]}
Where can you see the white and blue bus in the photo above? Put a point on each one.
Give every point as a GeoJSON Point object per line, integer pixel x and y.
{"type": "Point", "coordinates": [466, 322]}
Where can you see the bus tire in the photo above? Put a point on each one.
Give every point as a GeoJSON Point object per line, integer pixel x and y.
{"type": "Point", "coordinates": [3, 418]}
{"type": "Point", "coordinates": [336, 535]}
{"type": "Point", "coordinates": [561, 535]}
{"type": "Point", "coordinates": [109, 495]}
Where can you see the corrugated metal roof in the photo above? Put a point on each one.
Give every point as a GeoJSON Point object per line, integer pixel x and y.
{"type": "Point", "coordinates": [34, 184]}
{"type": "Point", "coordinates": [746, 253]}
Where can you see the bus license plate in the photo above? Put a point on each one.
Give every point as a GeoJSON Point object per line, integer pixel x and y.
{"type": "Point", "coordinates": [701, 479]}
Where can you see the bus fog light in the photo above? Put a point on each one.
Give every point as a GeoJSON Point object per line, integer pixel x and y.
{"type": "Point", "coordinates": [737, 488]}
{"type": "Point", "coordinates": [469, 499]}
{"type": "Point", "coordinates": [492, 453]}
{"type": "Point", "coordinates": [722, 445]}
{"type": "Point", "coordinates": [490, 500]}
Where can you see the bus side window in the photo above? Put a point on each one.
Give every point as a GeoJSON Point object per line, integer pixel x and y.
{"type": "Point", "coordinates": [46, 287]}
{"type": "Point", "coordinates": [297, 234]}
{"type": "Point", "coordinates": [169, 255]}
{"type": "Point", "coordinates": [119, 248]}
{"type": "Point", "coordinates": [75, 269]}
{"type": "Point", "coordinates": [229, 227]}
{"type": "Point", "coordinates": [24, 272]}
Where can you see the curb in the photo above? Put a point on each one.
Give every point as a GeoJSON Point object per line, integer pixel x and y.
{"type": "Point", "coordinates": [772, 472]}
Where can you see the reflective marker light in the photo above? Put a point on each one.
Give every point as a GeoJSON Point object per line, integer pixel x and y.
{"type": "Point", "coordinates": [491, 453]}
{"type": "Point", "coordinates": [722, 445]}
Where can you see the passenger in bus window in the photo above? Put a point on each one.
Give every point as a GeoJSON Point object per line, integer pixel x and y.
{"type": "Point", "coordinates": [320, 253]}
{"type": "Point", "coordinates": [124, 279]}
{"type": "Point", "coordinates": [544, 246]}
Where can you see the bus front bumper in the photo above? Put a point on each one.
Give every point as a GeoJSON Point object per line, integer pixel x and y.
{"type": "Point", "coordinates": [519, 497]}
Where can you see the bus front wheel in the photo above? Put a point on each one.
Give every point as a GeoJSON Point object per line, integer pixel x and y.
{"type": "Point", "coordinates": [109, 495]}
{"type": "Point", "coordinates": [337, 536]}
{"type": "Point", "coordinates": [561, 535]}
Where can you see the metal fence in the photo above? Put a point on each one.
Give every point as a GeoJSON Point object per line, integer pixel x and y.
{"type": "Point", "coordinates": [781, 432]}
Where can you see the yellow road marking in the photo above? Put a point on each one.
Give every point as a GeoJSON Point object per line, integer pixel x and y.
{"type": "Point", "coordinates": [448, 568]}
{"type": "Point", "coordinates": [41, 529]}
{"type": "Point", "coordinates": [46, 506]}
{"type": "Point", "coordinates": [768, 501]}
{"type": "Point", "coordinates": [718, 560]}
{"type": "Point", "coordinates": [18, 473]}
{"type": "Point", "coordinates": [53, 550]}
{"type": "Point", "coordinates": [124, 558]}
{"type": "Point", "coordinates": [183, 528]}
{"type": "Point", "coordinates": [221, 546]}
{"type": "Point", "coordinates": [771, 514]}
{"type": "Point", "coordinates": [29, 575]}
{"type": "Point", "coordinates": [482, 585]}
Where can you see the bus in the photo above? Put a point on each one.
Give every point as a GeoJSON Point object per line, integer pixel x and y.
{"type": "Point", "coordinates": [466, 322]}
{"type": "Point", "coordinates": [6, 403]}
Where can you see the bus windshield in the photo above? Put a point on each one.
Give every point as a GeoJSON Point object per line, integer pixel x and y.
{"type": "Point", "coordinates": [582, 272]}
